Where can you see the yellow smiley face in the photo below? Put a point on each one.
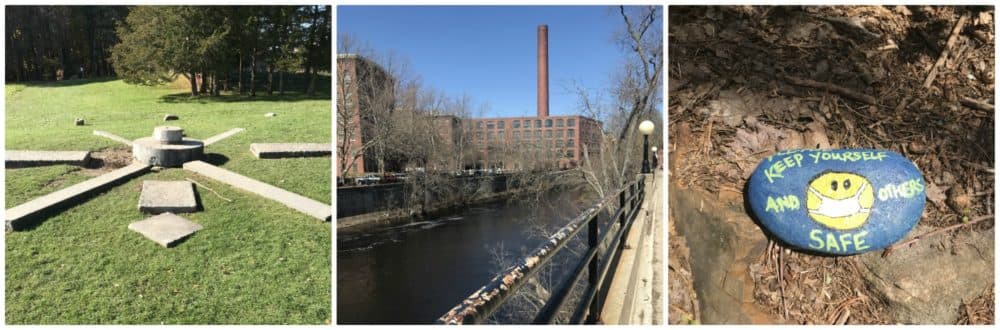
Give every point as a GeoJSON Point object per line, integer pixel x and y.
{"type": "Point", "coordinates": [840, 200]}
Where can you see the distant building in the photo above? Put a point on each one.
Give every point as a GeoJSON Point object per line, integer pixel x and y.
{"type": "Point", "coordinates": [360, 82]}
{"type": "Point", "coordinates": [539, 142]}
{"type": "Point", "coordinates": [532, 142]}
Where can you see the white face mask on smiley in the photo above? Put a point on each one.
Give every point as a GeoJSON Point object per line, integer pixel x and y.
{"type": "Point", "coordinates": [836, 208]}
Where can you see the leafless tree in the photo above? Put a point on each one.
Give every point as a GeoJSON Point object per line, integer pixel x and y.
{"type": "Point", "coordinates": [635, 96]}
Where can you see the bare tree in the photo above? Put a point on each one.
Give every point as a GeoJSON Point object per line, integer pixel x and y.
{"type": "Point", "coordinates": [635, 97]}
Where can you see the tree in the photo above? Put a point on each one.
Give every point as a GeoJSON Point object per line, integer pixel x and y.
{"type": "Point", "coordinates": [635, 97]}
{"type": "Point", "coordinates": [54, 42]}
{"type": "Point", "coordinates": [158, 42]}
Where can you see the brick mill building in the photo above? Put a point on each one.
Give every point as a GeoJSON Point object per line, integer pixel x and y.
{"type": "Point", "coordinates": [359, 81]}
{"type": "Point", "coordinates": [541, 141]}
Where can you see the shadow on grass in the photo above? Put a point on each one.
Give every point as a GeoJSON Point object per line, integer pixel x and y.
{"type": "Point", "coordinates": [216, 159]}
{"type": "Point", "coordinates": [186, 98]}
{"type": "Point", "coordinates": [63, 83]}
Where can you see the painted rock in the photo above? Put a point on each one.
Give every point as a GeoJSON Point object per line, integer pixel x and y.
{"type": "Point", "coordinates": [837, 202]}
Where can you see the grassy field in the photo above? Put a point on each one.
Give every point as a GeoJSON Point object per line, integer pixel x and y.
{"type": "Point", "coordinates": [254, 262]}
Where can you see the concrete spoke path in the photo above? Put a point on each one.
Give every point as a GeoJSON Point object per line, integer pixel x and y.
{"type": "Point", "coordinates": [113, 137]}
{"type": "Point", "coordinates": [298, 202]}
{"type": "Point", "coordinates": [18, 217]}
{"type": "Point", "coordinates": [222, 136]}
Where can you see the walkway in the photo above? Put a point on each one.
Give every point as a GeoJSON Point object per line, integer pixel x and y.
{"type": "Point", "coordinates": [636, 293]}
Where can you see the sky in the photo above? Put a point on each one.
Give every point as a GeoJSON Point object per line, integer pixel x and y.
{"type": "Point", "coordinates": [490, 52]}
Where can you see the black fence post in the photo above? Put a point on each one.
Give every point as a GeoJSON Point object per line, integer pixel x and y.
{"type": "Point", "coordinates": [593, 277]}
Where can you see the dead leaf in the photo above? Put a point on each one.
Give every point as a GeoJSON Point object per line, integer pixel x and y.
{"type": "Point", "coordinates": [936, 195]}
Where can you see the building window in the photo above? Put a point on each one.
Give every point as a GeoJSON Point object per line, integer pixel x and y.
{"type": "Point", "coordinates": [538, 123]}
{"type": "Point", "coordinates": [479, 125]}
{"type": "Point", "coordinates": [559, 133]}
{"type": "Point", "coordinates": [570, 122]}
{"type": "Point", "coordinates": [559, 122]}
{"type": "Point", "coordinates": [516, 124]}
{"type": "Point", "coordinates": [569, 153]}
{"type": "Point", "coordinates": [490, 136]}
{"type": "Point", "coordinates": [569, 133]}
{"type": "Point", "coordinates": [501, 124]}
{"type": "Point", "coordinates": [569, 143]}
{"type": "Point", "coordinates": [517, 135]}
{"type": "Point", "coordinates": [538, 135]}
{"type": "Point", "coordinates": [489, 125]}
{"type": "Point", "coordinates": [548, 123]}
{"type": "Point", "coordinates": [527, 123]}
{"type": "Point", "coordinates": [548, 134]}
{"type": "Point", "coordinates": [559, 143]}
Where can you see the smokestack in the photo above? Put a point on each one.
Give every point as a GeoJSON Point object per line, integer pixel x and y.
{"type": "Point", "coordinates": [543, 70]}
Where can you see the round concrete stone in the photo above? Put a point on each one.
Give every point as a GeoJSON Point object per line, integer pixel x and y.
{"type": "Point", "coordinates": [168, 134]}
{"type": "Point", "coordinates": [151, 151]}
{"type": "Point", "coordinates": [837, 202]}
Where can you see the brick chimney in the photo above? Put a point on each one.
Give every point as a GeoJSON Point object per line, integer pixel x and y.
{"type": "Point", "coordinates": [543, 70]}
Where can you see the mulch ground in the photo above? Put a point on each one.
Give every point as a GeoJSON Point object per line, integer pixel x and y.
{"type": "Point", "coordinates": [745, 82]}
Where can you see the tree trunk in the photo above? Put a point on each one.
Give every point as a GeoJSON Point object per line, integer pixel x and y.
{"type": "Point", "coordinates": [239, 83]}
{"type": "Point", "coordinates": [281, 82]}
{"type": "Point", "coordinates": [311, 90]}
{"type": "Point", "coordinates": [270, 79]}
{"type": "Point", "coordinates": [194, 84]}
{"type": "Point", "coordinates": [253, 73]}
{"type": "Point", "coordinates": [215, 84]}
{"type": "Point", "coordinates": [204, 85]}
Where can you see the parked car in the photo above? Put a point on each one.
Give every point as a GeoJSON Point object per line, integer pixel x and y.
{"type": "Point", "coordinates": [368, 179]}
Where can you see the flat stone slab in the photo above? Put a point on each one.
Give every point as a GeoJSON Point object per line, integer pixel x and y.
{"type": "Point", "coordinates": [167, 196]}
{"type": "Point", "coordinates": [19, 216]}
{"type": "Point", "coordinates": [113, 137]}
{"type": "Point", "coordinates": [165, 229]}
{"type": "Point", "coordinates": [298, 202]}
{"type": "Point", "coordinates": [28, 158]}
{"type": "Point", "coordinates": [286, 150]}
{"type": "Point", "coordinates": [222, 136]}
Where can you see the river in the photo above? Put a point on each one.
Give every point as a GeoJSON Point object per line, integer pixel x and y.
{"type": "Point", "coordinates": [417, 272]}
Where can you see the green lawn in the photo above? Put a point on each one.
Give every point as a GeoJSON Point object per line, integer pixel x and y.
{"type": "Point", "coordinates": [255, 261]}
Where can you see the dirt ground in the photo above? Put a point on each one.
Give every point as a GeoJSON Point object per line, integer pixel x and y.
{"type": "Point", "coordinates": [745, 82]}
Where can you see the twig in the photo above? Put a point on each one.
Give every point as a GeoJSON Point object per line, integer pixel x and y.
{"type": "Point", "coordinates": [947, 49]}
{"type": "Point", "coordinates": [889, 249]}
{"type": "Point", "coordinates": [975, 104]}
{"type": "Point", "coordinates": [781, 281]}
{"type": "Point", "coordinates": [857, 96]}
{"type": "Point", "coordinates": [209, 189]}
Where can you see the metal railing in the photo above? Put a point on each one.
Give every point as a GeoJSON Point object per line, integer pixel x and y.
{"type": "Point", "coordinates": [482, 303]}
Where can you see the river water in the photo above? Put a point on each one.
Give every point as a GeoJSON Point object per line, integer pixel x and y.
{"type": "Point", "coordinates": [417, 272]}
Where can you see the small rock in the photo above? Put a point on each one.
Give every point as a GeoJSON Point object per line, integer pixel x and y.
{"type": "Point", "coordinates": [79, 122]}
{"type": "Point", "coordinates": [959, 200]}
{"type": "Point", "coordinates": [270, 114]}
{"type": "Point", "coordinates": [170, 117]}
{"type": "Point", "coordinates": [839, 201]}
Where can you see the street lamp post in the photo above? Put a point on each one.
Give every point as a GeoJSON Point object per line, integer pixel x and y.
{"type": "Point", "coordinates": [646, 128]}
{"type": "Point", "coordinates": [656, 159]}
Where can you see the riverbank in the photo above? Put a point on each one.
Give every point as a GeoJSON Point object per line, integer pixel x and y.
{"type": "Point", "coordinates": [367, 209]}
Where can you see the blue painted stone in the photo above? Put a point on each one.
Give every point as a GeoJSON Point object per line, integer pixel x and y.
{"type": "Point", "coordinates": [837, 202]}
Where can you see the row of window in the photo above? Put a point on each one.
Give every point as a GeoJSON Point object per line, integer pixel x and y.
{"type": "Point", "coordinates": [517, 134]}
{"type": "Point", "coordinates": [526, 123]}
{"type": "Point", "coordinates": [558, 142]}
